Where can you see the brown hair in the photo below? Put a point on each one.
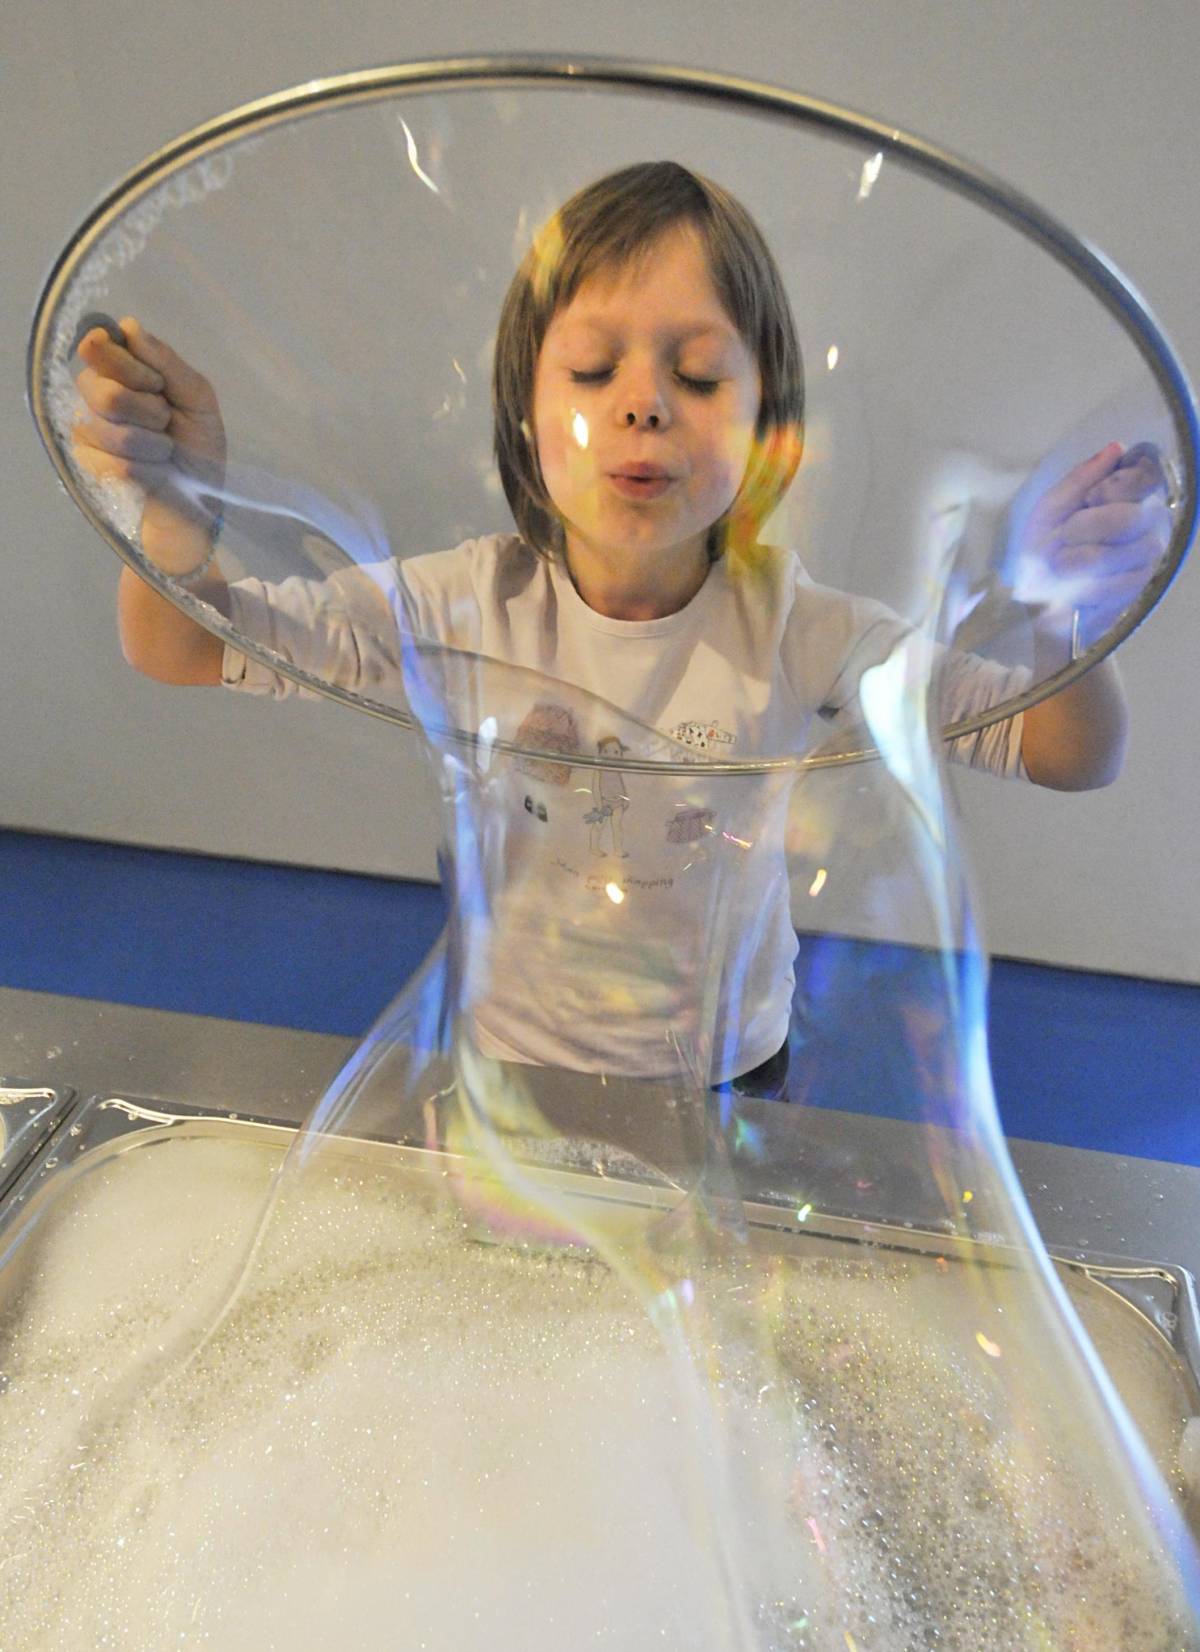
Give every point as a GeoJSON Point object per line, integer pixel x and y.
{"type": "Point", "coordinates": [607, 224]}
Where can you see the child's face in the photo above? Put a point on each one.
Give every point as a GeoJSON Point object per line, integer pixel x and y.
{"type": "Point", "coordinates": [645, 402]}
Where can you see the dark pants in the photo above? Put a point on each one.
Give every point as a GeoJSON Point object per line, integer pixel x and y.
{"type": "Point", "coordinates": [766, 1081]}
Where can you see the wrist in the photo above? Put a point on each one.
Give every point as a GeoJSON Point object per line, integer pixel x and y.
{"type": "Point", "coordinates": [1057, 640]}
{"type": "Point", "coordinates": [179, 545]}
{"type": "Point", "coordinates": [206, 561]}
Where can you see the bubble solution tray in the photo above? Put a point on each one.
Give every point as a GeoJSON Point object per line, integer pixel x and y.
{"type": "Point", "coordinates": [1142, 1316]}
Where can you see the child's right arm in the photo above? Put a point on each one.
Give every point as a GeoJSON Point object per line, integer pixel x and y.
{"type": "Point", "coordinates": [152, 419]}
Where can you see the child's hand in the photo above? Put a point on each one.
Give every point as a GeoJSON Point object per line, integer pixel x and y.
{"type": "Point", "coordinates": [1093, 539]}
{"type": "Point", "coordinates": [154, 420]}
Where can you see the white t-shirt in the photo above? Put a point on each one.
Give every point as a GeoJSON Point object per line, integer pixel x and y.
{"type": "Point", "coordinates": [604, 910]}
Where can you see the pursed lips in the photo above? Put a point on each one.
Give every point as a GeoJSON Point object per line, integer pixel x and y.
{"type": "Point", "coordinates": [637, 480]}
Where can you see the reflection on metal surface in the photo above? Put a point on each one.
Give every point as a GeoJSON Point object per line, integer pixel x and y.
{"type": "Point", "coordinates": [870, 175]}
{"type": "Point", "coordinates": [414, 159]}
{"type": "Point", "coordinates": [29, 1114]}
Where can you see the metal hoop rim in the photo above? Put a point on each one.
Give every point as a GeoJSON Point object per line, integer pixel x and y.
{"type": "Point", "coordinates": [1117, 295]}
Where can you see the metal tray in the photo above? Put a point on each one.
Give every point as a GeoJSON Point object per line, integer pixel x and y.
{"type": "Point", "coordinates": [29, 1115]}
{"type": "Point", "coordinates": [1143, 1316]}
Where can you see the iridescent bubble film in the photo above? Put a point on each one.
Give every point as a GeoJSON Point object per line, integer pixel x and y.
{"type": "Point", "coordinates": [695, 474]}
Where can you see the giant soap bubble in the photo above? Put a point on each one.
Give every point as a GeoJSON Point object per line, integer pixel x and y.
{"type": "Point", "coordinates": [553, 1324]}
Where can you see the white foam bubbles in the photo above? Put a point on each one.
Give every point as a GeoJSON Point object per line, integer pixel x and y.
{"type": "Point", "coordinates": [402, 1437]}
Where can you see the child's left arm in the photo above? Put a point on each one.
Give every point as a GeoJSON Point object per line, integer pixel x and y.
{"type": "Point", "coordinates": [1092, 539]}
{"type": "Point", "coordinates": [1075, 740]}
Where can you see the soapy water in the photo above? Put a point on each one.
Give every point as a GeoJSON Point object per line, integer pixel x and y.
{"type": "Point", "coordinates": [403, 1435]}
{"type": "Point", "coordinates": [618, 887]}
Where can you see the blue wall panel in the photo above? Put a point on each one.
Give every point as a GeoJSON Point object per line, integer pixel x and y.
{"type": "Point", "coordinates": [1081, 1059]}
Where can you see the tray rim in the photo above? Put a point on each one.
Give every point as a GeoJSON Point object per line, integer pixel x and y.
{"type": "Point", "coordinates": [107, 1124]}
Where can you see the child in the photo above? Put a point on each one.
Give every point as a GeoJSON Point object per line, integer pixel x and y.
{"type": "Point", "coordinates": [648, 400]}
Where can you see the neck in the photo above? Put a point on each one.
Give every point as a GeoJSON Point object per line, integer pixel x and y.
{"type": "Point", "coordinates": [640, 586]}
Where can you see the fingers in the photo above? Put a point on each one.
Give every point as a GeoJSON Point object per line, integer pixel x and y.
{"type": "Point", "coordinates": [1108, 476]}
{"type": "Point", "coordinates": [142, 364]}
{"type": "Point", "coordinates": [1139, 475]}
{"type": "Point", "coordinates": [1102, 580]}
{"type": "Point", "coordinates": [129, 441]}
{"type": "Point", "coordinates": [1114, 523]}
{"type": "Point", "coordinates": [1102, 562]}
{"type": "Point", "coordinates": [124, 423]}
{"type": "Point", "coordinates": [150, 417]}
{"type": "Point", "coordinates": [1070, 494]}
{"type": "Point", "coordinates": [185, 389]}
{"type": "Point", "coordinates": [104, 358]}
{"type": "Point", "coordinates": [113, 399]}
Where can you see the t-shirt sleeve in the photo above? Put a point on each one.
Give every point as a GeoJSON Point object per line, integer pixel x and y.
{"type": "Point", "coordinates": [347, 629]}
{"type": "Point", "coordinates": [968, 685]}
{"type": "Point", "coordinates": [444, 591]}
{"type": "Point", "coordinates": [341, 629]}
{"type": "Point", "coordinates": [832, 639]}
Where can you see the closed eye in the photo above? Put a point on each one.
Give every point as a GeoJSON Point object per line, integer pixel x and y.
{"type": "Point", "coordinates": [690, 381]}
{"type": "Point", "coordinates": [699, 387]}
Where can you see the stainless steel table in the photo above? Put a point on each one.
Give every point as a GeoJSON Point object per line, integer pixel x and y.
{"type": "Point", "coordinates": [1102, 1203]}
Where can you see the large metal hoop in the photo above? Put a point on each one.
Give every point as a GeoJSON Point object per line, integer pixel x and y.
{"type": "Point", "coordinates": [504, 71]}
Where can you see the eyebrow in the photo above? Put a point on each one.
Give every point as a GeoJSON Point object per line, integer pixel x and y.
{"type": "Point", "coordinates": [722, 332]}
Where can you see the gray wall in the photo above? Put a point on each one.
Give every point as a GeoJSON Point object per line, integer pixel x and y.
{"type": "Point", "coordinates": [1085, 104]}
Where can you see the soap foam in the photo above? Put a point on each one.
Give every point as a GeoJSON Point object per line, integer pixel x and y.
{"type": "Point", "coordinates": [402, 1437]}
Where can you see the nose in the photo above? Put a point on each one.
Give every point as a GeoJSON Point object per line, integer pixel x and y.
{"type": "Point", "coordinates": [642, 404]}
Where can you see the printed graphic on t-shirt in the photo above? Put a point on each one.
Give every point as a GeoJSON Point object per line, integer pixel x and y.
{"type": "Point", "coordinates": [548, 727]}
{"type": "Point", "coordinates": [610, 799]}
{"type": "Point", "coordinates": [604, 796]}
{"type": "Point", "coordinates": [689, 824]}
{"type": "Point", "coordinates": [701, 736]}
